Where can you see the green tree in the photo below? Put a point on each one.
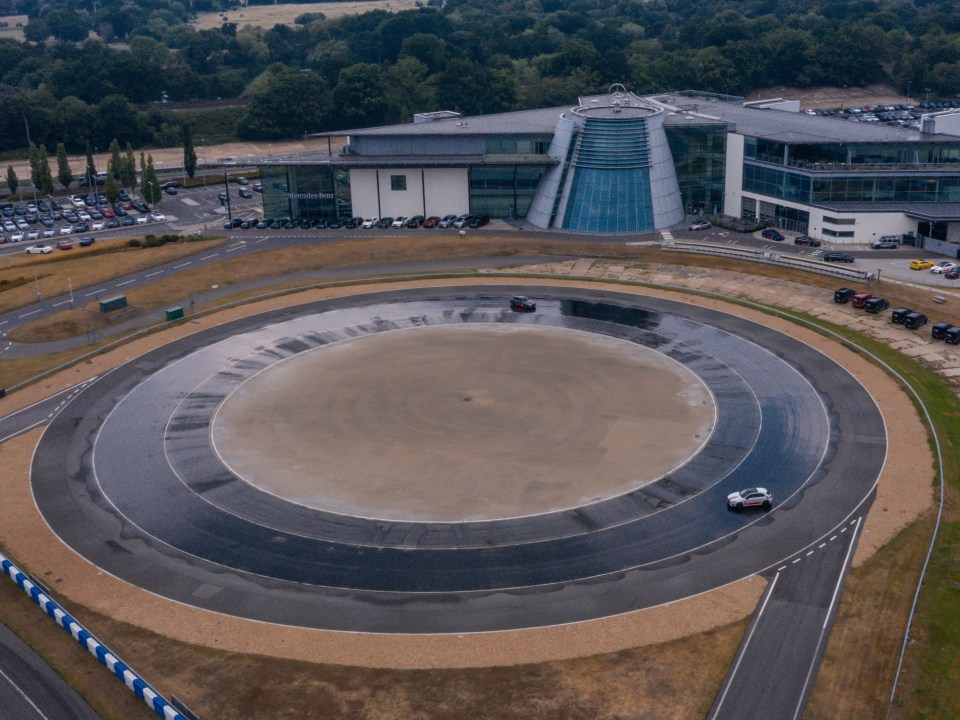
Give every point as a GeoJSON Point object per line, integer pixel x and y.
{"type": "Point", "coordinates": [34, 166]}
{"type": "Point", "coordinates": [288, 104]}
{"type": "Point", "coordinates": [128, 169]}
{"type": "Point", "coordinates": [111, 190]}
{"type": "Point", "coordinates": [151, 185]}
{"type": "Point", "coordinates": [45, 186]}
{"type": "Point", "coordinates": [359, 97]}
{"type": "Point", "coordinates": [64, 173]}
{"type": "Point", "coordinates": [189, 152]}
{"type": "Point", "coordinates": [13, 182]}
{"type": "Point", "coordinates": [113, 166]}
{"type": "Point", "coordinates": [91, 169]}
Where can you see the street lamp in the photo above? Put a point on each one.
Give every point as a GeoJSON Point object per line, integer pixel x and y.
{"type": "Point", "coordinates": [203, 153]}
{"type": "Point", "coordinates": [150, 185]}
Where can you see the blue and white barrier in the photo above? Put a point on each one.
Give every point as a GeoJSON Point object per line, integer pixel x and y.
{"type": "Point", "coordinates": [100, 651]}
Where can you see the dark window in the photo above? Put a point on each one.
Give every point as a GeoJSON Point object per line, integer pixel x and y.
{"type": "Point", "coordinates": [398, 182]}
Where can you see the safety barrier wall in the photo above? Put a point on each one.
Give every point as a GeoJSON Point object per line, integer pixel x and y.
{"type": "Point", "coordinates": [100, 651]}
{"type": "Point", "coordinates": [771, 258]}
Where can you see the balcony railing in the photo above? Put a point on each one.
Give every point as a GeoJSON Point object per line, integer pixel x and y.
{"type": "Point", "coordinates": [839, 167]}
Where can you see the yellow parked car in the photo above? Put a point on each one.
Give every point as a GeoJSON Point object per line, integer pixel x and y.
{"type": "Point", "coordinates": [920, 265]}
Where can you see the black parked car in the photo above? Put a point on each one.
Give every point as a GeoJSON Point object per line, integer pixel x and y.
{"type": "Point", "coordinates": [804, 240]}
{"type": "Point", "coordinates": [522, 303]}
{"type": "Point", "coordinates": [771, 234]}
{"type": "Point", "coordinates": [952, 336]}
{"type": "Point", "coordinates": [838, 257]}
{"type": "Point", "coordinates": [915, 320]}
{"type": "Point", "coordinates": [320, 223]}
{"type": "Point", "coordinates": [353, 223]}
{"type": "Point", "coordinates": [127, 221]}
{"type": "Point", "coordinates": [938, 331]}
{"type": "Point", "coordinates": [334, 224]}
{"type": "Point", "coordinates": [87, 241]}
{"type": "Point", "coordinates": [385, 223]}
{"type": "Point", "coordinates": [415, 222]}
{"type": "Point", "coordinates": [478, 221]}
{"type": "Point", "coordinates": [306, 224]}
{"type": "Point", "coordinates": [875, 305]}
{"type": "Point", "coordinates": [899, 314]}
{"type": "Point", "coordinates": [80, 227]}
{"type": "Point", "coordinates": [291, 225]}
{"type": "Point", "coordinates": [843, 295]}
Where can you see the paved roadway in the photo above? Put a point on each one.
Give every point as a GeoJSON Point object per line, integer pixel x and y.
{"type": "Point", "coordinates": [656, 545]}
{"type": "Point", "coordinates": [31, 690]}
{"type": "Point", "coordinates": [754, 664]}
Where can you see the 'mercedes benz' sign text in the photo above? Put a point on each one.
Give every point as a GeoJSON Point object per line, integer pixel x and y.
{"type": "Point", "coordinates": [309, 196]}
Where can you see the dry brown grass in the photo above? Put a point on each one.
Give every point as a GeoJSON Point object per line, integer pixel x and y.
{"type": "Point", "coordinates": [21, 274]}
{"type": "Point", "coordinates": [266, 16]}
{"type": "Point", "coordinates": [673, 681]}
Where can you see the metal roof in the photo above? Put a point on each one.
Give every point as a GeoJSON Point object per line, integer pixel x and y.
{"type": "Point", "coordinates": [680, 109]}
{"type": "Point", "coordinates": [352, 160]}
{"type": "Point", "coordinates": [786, 127]}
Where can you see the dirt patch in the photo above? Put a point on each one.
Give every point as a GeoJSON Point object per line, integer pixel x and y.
{"type": "Point", "coordinates": [835, 97]}
{"type": "Point", "coordinates": [266, 16]}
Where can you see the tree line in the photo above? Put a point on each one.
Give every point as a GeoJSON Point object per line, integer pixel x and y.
{"type": "Point", "coordinates": [476, 56]}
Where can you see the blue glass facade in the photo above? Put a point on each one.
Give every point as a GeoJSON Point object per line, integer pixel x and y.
{"type": "Point", "coordinates": [851, 188]}
{"type": "Point", "coordinates": [610, 190]}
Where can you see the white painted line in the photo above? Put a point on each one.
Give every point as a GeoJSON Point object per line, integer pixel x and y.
{"type": "Point", "coordinates": [809, 553]}
{"type": "Point", "coordinates": [158, 272]}
{"type": "Point", "coordinates": [4, 322]}
{"type": "Point", "coordinates": [238, 247]}
{"type": "Point", "coordinates": [843, 530]}
{"type": "Point", "coordinates": [32, 312]}
{"type": "Point", "coordinates": [182, 265]}
{"type": "Point", "coordinates": [125, 282]}
{"type": "Point", "coordinates": [832, 538]}
{"type": "Point", "coordinates": [23, 695]}
{"type": "Point", "coordinates": [826, 620]}
{"type": "Point", "coordinates": [207, 257]}
{"type": "Point", "coordinates": [62, 302]}
{"type": "Point", "coordinates": [743, 651]}
{"type": "Point", "coordinates": [94, 292]}
{"type": "Point", "coordinates": [795, 561]}
{"type": "Point", "coordinates": [821, 546]}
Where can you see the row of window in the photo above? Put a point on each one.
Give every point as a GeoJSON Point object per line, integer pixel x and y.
{"type": "Point", "coordinates": [854, 153]}
{"type": "Point", "coordinates": [849, 188]}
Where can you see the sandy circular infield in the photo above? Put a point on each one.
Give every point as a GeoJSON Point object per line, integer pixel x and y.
{"type": "Point", "coordinates": [471, 423]}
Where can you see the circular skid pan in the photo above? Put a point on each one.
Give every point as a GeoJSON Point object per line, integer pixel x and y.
{"type": "Point", "coordinates": [147, 498]}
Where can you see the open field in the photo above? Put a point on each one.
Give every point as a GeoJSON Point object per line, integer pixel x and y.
{"type": "Point", "coordinates": [12, 30]}
{"type": "Point", "coordinates": [266, 16]}
{"type": "Point", "coordinates": [677, 679]}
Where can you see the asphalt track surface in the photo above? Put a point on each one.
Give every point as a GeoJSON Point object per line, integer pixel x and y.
{"type": "Point", "coordinates": [31, 690]}
{"type": "Point", "coordinates": [126, 476]}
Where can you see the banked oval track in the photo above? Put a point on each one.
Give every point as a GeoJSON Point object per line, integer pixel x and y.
{"type": "Point", "coordinates": [127, 477]}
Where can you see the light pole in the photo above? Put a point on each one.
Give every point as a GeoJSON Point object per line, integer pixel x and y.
{"type": "Point", "coordinates": [203, 154]}
{"type": "Point", "coordinates": [150, 185]}
{"type": "Point", "coordinates": [909, 83]}
{"type": "Point", "coordinates": [226, 186]}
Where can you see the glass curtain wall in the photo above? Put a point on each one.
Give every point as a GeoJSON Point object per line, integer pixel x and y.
{"type": "Point", "coordinates": [305, 191]}
{"type": "Point", "coordinates": [700, 158]}
{"type": "Point", "coordinates": [504, 191]}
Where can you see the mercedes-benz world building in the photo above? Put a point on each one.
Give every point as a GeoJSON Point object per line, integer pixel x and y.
{"type": "Point", "coordinates": [621, 163]}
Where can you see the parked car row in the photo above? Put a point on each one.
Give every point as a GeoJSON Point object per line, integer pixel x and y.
{"type": "Point", "coordinates": [414, 222]}
{"type": "Point", "coordinates": [902, 315]}
{"type": "Point", "coordinates": [45, 249]}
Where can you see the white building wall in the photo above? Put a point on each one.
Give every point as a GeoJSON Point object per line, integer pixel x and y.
{"type": "Point", "coordinates": [733, 182]}
{"type": "Point", "coordinates": [447, 190]}
{"type": "Point", "coordinates": [363, 193]}
{"type": "Point", "coordinates": [405, 201]}
{"type": "Point", "coordinates": [866, 227]}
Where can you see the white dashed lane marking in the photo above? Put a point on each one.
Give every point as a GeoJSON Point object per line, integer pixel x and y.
{"type": "Point", "coordinates": [125, 282]}
{"type": "Point", "coordinates": [821, 546]}
{"type": "Point", "coordinates": [158, 272]}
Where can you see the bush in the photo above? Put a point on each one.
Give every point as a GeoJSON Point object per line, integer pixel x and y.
{"type": "Point", "coordinates": [134, 243]}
